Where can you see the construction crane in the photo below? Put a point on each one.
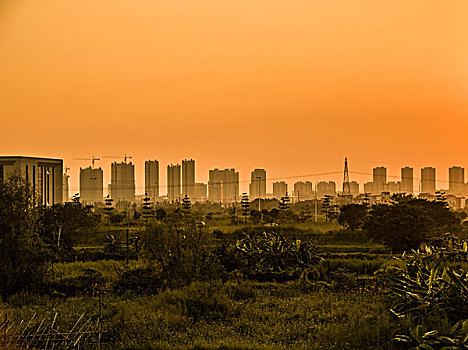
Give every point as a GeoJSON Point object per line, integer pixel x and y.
{"type": "Point", "coordinates": [125, 157]}
{"type": "Point", "coordinates": [92, 159]}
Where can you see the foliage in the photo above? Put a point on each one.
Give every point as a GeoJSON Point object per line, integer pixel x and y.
{"type": "Point", "coordinates": [272, 253]}
{"type": "Point", "coordinates": [86, 283]}
{"type": "Point", "coordinates": [431, 284]}
{"type": "Point", "coordinates": [185, 253]}
{"type": "Point", "coordinates": [23, 257]}
{"type": "Point", "coordinates": [143, 280]}
{"type": "Point", "coordinates": [58, 224]}
{"type": "Point", "coordinates": [408, 221]}
{"type": "Point", "coordinates": [353, 216]}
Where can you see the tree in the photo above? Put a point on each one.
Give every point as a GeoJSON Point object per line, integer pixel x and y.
{"type": "Point", "coordinates": [352, 216]}
{"type": "Point", "coordinates": [57, 225]}
{"type": "Point", "coordinates": [23, 259]}
{"type": "Point", "coordinates": [400, 226]}
{"type": "Point", "coordinates": [409, 221]}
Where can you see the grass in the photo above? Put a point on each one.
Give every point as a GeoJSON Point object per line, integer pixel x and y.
{"type": "Point", "coordinates": [232, 316]}
{"type": "Point", "coordinates": [109, 269]}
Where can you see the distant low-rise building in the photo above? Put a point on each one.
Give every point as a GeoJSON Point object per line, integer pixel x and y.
{"type": "Point", "coordinates": [303, 191]}
{"type": "Point", "coordinates": [200, 192]}
{"type": "Point", "coordinates": [354, 188]}
{"type": "Point", "coordinates": [326, 188]}
{"type": "Point", "coordinates": [280, 189]}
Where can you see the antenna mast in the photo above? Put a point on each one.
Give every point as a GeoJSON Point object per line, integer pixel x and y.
{"type": "Point", "coordinates": [346, 186]}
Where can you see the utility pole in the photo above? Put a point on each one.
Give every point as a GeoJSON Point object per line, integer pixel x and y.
{"type": "Point", "coordinates": [316, 207]}
{"type": "Point", "coordinates": [259, 197]}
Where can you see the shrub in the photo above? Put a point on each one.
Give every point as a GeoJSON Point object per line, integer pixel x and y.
{"type": "Point", "coordinates": [86, 283]}
{"type": "Point", "coordinates": [140, 281]}
{"type": "Point", "coordinates": [201, 301]}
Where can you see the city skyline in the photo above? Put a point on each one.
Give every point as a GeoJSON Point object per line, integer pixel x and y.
{"type": "Point", "coordinates": [390, 182]}
{"type": "Point", "coordinates": [254, 85]}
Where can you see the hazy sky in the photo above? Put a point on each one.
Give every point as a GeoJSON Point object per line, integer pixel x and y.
{"type": "Point", "coordinates": [292, 86]}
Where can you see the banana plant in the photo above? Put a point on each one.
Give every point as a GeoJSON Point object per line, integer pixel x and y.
{"type": "Point", "coordinates": [419, 340]}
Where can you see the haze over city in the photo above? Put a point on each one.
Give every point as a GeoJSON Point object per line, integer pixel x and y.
{"type": "Point", "coordinates": [292, 87]}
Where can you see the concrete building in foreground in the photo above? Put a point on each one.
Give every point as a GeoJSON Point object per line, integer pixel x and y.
{"type": "Point", "coordinates": [45, 176]}
{"type": "Point", "coordinates": [91, 185]}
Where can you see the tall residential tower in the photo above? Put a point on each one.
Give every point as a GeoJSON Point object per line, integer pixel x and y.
{"type": "Point", "coordinates": [152, 179]}
{"type": "Point", "coordinates": [173, 182]}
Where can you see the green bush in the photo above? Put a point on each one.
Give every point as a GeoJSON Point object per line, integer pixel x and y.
{"type": "Point", "coordinates": [200, 301]}
{"type": "Point", "coordinates": [87, 283]}
{"type": "Point", "coordinates": [144, 280]}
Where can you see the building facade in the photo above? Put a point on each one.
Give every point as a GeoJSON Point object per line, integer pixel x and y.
{"type": "Point", "coordinates": [379, 179]}
{"type": "Point", "coordinates": [457, 180]}
{"type": "Point", "coordinates": [44, 175]}
{"type": "Point", "coordinates": [223, 185]}
{"type": "Point", "coordinates": [173, 182]}
{"type": "Point", "coordinates": [91, 185]}
{"type": "Point", "coordinates": [354, 188]}
{"type": "Point", "coordinates": [326, 188]}
{"type": "Point", "coordinates": [303, 191]}
{"type": "Point", "coordinates": [428, 180]}
{"type": "Point", "coordinates": [201, 191]}
{"type": "Point", "coordinates": [122, 186]}
{"type": "Point", "coordinates": [152, 179]}
{"type": "Point", "coordinates": [407, 180]}
{"type": "Point", "coordinates": [280, 189]}
{"type": "Point", "coordinates": [257, 186]}
{"type": "Point", "coordinates": [188, 178]}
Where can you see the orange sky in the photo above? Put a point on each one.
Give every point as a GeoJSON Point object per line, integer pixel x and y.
{"type": "Point", "coordinates": [292, 86]}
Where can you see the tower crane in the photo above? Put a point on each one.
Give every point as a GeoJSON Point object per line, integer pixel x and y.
{"type": "Point", "coordinates": [125, 157]}
{"type": "Point", "coordinates": [92, 159]}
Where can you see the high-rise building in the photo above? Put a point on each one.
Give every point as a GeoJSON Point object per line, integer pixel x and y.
{"type": "Point", "coordinates": [428, 180]}
{"type": "Point", "coordinates": [379, 179]}
{"type": "Point", "coordinates": [407, 180]}
{"type": "Point", "coordinates": [354, 188]}
{"type": "Point", "coordinates": [223, 185]}
{"type": "Point", "coordinates": [280, 189]}
{"type": "Point", "coordinates": [200, 192]}
{"type": "Point", "coordinates": [456, 180]}
{"type": "Point", "coordinates": [91, 185]}
{"type": "Point", "coordinates": [122, 186]}
{"type": "Point", "coordinates": [152, 179]}
{"type": "Point", "coordinates": [188, 178]}
{"type": "Point", "coordinates": [173, 182]}
{"type": "Point", "coordinates": [257, 186]}
{"type": "Point", "coordinates": [45, 176]}
{"type": "Point", "coordinates": [303, 191]}
{"type": "Point", "coordinates": [326, 188]}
